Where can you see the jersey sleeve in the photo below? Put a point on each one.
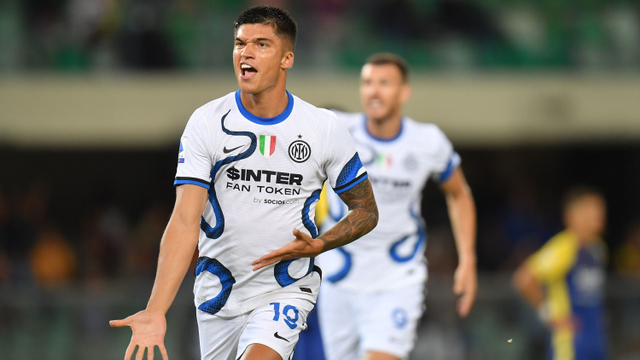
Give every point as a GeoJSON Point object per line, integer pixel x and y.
{"type": "Point", "coordinates": [343, 167]}
{"type": "Point", "coordinates": [554, 260]}
{"type": "Point", "coordinates": [194, 158]}
{"type": "Point", "coordinates": [446, 159]}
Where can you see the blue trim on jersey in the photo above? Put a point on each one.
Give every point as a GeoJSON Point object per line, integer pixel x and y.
{"type": "Point", "coordinates": [227, 280]}
{"type": "Point", "coordinates": [355, 182]}
{"type": "Point", "coordinates": [265, 121]}
{"type": "Point", "coordinates": [348, 262]}
{"type": "Point", "coordinates": [191, 182]}
{"type": "Point", "coordinates": [308, 223]}
{"type": "Point", "coordinates": [366, 129]}
{"type": "Point", "coordinates": [451, 167]}
{"type": "Point", "coordinates": [215, 232]}
{"type": "Point", "coordinates": [422, 238]}
{"type": "Point", "coordinates": [348, 173]}
{"type": "Point", "coordinates": [281, 271]}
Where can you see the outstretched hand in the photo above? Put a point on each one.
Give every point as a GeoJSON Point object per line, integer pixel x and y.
{"type": "Point", "coordinates": [465, 285]}
{"type": "Point", "coordinates": [148, 329]}
{"type": "Point", "coordinates": [302, 246]}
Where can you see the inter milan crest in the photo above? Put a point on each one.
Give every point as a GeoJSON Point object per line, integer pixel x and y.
{"type": "Point", "coordinates": [299, 151]}
{"type": "Point", "coordinates": [267, 145]}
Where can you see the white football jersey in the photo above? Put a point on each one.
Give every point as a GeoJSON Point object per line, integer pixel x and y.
{"type": "Point", "coordinates": [392, 254]}
{"type": "Point", "coordinates": [264, 177]}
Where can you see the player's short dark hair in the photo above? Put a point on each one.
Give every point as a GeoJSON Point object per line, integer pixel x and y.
{"type": "Point", "coordinates": [279, 19]}
{"type": "Point", "coordinates": [393, 59]}
{"type": "Point", "coordinates": [577, 193]}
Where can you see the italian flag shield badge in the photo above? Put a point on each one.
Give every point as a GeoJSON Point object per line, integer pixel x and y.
{"type": "Point", "coordinates": [267, 145]}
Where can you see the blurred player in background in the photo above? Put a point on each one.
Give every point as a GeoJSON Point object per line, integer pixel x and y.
{"type": "Point", "coordinates": [250, 170]}
{"type": "Point", "coordinates": [564, 280]}
{"type": "Point", "coordinates": [373, 294]}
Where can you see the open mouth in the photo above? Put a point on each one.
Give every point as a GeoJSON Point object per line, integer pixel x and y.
{"type": "Point", "coordinates": [374, 104]}
{"type": "Point", "coordinates": [247, 71]}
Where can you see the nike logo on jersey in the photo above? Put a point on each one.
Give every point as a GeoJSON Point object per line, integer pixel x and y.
{"type": "Point", "coordinates": [279, 337]}
{"type": "Point", "coordinates": [226, 151]}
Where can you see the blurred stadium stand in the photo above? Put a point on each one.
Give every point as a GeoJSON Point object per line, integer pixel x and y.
{"type": "Point", "coordinates": [94, 94]}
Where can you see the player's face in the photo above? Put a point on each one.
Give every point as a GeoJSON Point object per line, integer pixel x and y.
{"type": "Point", "coordinates": [588, 217]}
{"type": "Point", "coordinates": [382, 91]}
{"type": "Point", "coordinates": [260, 57]}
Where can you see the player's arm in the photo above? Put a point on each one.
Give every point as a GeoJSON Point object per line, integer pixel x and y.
{"type": "Point", "coordinates": [462, 213]}
{"type": "Point", "coordinates": [549, 264]}
{"type": "Point", "coordinates": [362, 218]}
{"type": "Point", "coordinates": [176, 251]}
{"type": "Point", "coordinates": [528, 286]}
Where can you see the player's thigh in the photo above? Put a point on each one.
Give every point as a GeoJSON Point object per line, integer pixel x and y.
{"type": "Point", "coordinates": [388, 321]}
{"type": "Point", "coordinates": [219, 336]}
{"type": "Point", "coordinates": [277, 326]}
{"type": "Point", "coordinates": [337, 323]}
{"type": "Point", "coordinates": [260, 352]}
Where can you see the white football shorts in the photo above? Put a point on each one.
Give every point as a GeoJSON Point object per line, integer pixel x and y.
{"type": "Point", "coordinates": [353, 323]}
{"type": "Point", "coordinates": [276, 325]}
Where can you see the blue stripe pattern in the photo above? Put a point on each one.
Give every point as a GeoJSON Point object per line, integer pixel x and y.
{"type": "Point", "coordinates": [308, 223]}
{"type": "Point", "coordinates": [191, 182]}
{"type": "Point", "coordinates": [345, 268]}
{"type": "Point", "coordinates": [281, 269]}
{"type": "Point", "coordinates": [215, 232]}
{"type": "Point", "coordinates": [352, 184]}
{"type": "Point", "coordinates": [348, 174]}
{"type": "Point", "coordinates": [454, 161]}
{"type": "Point", "coordinates": [227, 280]}
{"type": "Point", "coordinates": [422, 238]}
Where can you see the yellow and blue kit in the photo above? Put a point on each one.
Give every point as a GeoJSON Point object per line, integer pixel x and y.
{"type": "Point", "coordinates": [573, 275]}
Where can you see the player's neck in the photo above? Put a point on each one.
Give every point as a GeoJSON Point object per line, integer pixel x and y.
{"type": "Point", "coordinates": [388, 128]}
{"type": "Point", "coordinates": [584, 238]}
{"type": "Point", "coordinates": [268, 103]}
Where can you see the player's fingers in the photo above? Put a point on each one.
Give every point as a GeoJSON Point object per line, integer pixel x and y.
{"type": "Point", "coordinates": [119, 323]}
{"type": "Point", "coordinates": [270, 256]}
{"type": "Point", "coordinates": [464, 305]}
{"type": "Point", "coordinates": [262, 263]}
{"type": "Point", "coordinates": [458, 287]}
{"type": "Point", "coordinates": [129, 352]}
{"type": "Point", "coordinates": [151, 352]}
{"type": "Point", "coordinates": [300, 235]}
{"type": "Point", "coordinates": [163, 352]}
{"type": "Point", "coordinates": [140, 353]}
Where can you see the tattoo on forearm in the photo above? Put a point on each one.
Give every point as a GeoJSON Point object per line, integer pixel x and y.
{"type": "Point", "coordinates": [362, 217]}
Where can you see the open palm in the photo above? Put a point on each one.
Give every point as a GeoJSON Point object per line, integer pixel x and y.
{"type": "Point", "coordinates": [148, 330]}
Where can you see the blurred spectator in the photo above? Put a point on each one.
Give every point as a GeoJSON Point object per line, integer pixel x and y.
{"type": "Point", "coordinates": [52, 260]}
{"type": "Point", "coordinates": [144, 42]}
{"type": "Point", "coordinates": [144, 244]}
{"type": "Point", "coordinates": [5, 265]}
{"type": "Point", "coordinates": [526, 227]}
{"type": "Point", "coordinates": [627, 257]}
{"type": "Point", "coordinates": [161, 35]}
{"type": "Point", "coordinates": [105, 233]}
{"type": "Point", "coordinates": [398, 19]}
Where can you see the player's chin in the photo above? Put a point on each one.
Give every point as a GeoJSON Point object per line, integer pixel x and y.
{"type": "Point", "coordinates": [248, 87]}
{"type": "Point", "coordinates": [377, 114]}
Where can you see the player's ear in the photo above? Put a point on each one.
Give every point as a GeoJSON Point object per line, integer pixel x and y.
{"type": "Point", "coordinates": [287, 60]}
{"type": "Point", "coordinates": [405, 93]}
